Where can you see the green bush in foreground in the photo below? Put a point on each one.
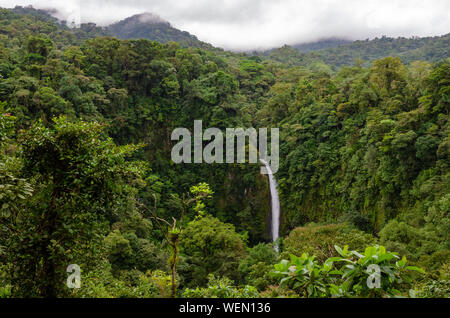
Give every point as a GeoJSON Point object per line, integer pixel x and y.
{"type": "Point", "coordinates": [320, 239]}
{"type": "Point", "coordinates": [376, 273]}
{"type": "Point", "coordinates": [221, 288]}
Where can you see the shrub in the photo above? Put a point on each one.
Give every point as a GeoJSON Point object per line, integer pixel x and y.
{"type": "Point", "coordinates": [376, 273]}
{"type": "Point", "coordinates": [221, 288]}
{"type": "Point", "coordinates": [320, 240]}
{"type": "Point", "coordinates": [305, 275]}
{"type": "Point", "coordinates": [362, 269]}
{"type": "Point", "coordinates": [255, 267]}
{"type": "Point", "coordinates": [210, 247]}
{"type": "Point", "coordinates": [434, 289]}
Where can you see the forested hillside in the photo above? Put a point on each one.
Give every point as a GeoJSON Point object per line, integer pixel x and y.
{"type": "Point", "coordinates": [17, 24]}
{"type": "Point", "coordinates": [151, 27]}
{"type": "Point", "coordinates": [86, 175]}
{"type": "Point", "coordinates": [141, 26]}
{"type": "Point", "coordinates": [431, 49]}
{"type": "Point", "coordinates": [321, 44]}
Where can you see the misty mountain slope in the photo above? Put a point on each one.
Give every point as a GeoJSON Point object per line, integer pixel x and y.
{"type": "Point", "coordinates": [22, 22]}
{"type": "Point", "coordinates": [320, 45]}
{"type": "Point", "coordinates": [152, 27]}
{"type": "Point", "coordinates": [45, 15]}
{"type": "Point", "coordinates": [142, 26]}
{"type": "Point", "coordinates": [431, 49]}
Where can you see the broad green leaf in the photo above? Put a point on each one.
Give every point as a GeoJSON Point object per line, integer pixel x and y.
{"type": "Point", "coordinates": [339, 250]}
{"type": "Point", "coordinates": [414, 268]}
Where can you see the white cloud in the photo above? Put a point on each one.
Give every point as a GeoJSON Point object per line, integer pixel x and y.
{"type": "Point", "coordinates": [249, 24]}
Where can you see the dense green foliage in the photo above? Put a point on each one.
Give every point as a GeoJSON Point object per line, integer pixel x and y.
{"type": "Point", "coordinates": [86, 176]}
{"type": "Point", "coordinates": [221, 288]}
{"type": "Point", "coordinates": [211, 247]}
{"type": "Point", "coordinates": [152, 27]}
{"type": "Point", "coordinates": [79, 182]}
{"type": "Point", "coordinates": [321, 44]}
{"type": "Point", "coordinates": [320, 240]}
{"type": "Point", "coordinates": [351, 278]}
{"type": "Point", "coordinates": [19, 23]}
{"type": "Point", "coordinates": [372, 143]}
{"type": "Point", "coordinates": [431, 49]}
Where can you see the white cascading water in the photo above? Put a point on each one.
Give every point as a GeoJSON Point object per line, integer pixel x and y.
{"type": "Point", "coordinates": [275, 202]}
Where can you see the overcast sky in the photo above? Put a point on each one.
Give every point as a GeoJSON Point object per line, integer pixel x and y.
{"type": "Point", "coordinates": [257, 24]}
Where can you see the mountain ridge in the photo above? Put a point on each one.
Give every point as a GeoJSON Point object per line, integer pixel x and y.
{"type": "Point", "coordinates": [150, 26]}
{"type": "Point", "coordinates": [430, 49]}
{"type": "Point", "coordinates": [333, 52]}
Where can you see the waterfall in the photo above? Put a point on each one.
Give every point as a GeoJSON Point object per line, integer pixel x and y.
{"type": "Point", "coordinates": [275, 203]}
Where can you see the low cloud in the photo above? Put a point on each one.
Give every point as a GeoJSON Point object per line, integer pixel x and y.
{"type": "Point", "coordinates": [262, 24]}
